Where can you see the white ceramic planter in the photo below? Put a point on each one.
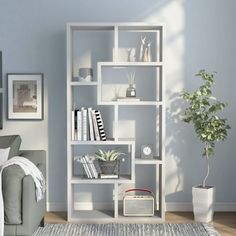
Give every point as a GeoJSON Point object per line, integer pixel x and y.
{"type": "Point", "coordinates": [203, 203]}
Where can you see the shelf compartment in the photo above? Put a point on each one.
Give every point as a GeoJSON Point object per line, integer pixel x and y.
{"type": "Point", "coordinates": [129, 42]}
{"type": "Point", "coordinates": [113, 83]}
{"type": "Point", "coordinates": [132, 123]}
{"type": "Point", "coordinates": [90, 45]}
{"type": "Point", "coordinates": [125, 168]}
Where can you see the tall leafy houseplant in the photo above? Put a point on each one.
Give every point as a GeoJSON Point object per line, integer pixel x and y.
{"type": "Point", "coordinates": [202, 111]}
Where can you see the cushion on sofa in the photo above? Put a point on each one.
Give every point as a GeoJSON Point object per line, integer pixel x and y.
{"type": "Point", "coordinates": [12, 192]}
{"type": "Point", "coordinates": [12, 141]}
{"type": "Point", "coordinates": [4, 153]}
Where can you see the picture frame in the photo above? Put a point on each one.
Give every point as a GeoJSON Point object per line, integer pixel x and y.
{"type": "Point", "coordinates": [1, 111]}
{"type": "Point", "coordinates": [25, 96]}
{"type": "Point", "coordinates": [1, 93]}
{"type": "Point", "coordinates": [1, 70]}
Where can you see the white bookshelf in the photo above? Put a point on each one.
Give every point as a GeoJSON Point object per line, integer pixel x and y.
{"type": "Point", "coordinates": [103, 47]}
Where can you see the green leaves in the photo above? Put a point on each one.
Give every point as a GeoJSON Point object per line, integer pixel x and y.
{"type": "Point", "coordinates": [110, 155]}
{"type": "Point", "coordinates": [202, 113]}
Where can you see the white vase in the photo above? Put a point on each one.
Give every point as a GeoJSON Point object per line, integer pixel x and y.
{"type": "Point", "coordinates": [203, 203]}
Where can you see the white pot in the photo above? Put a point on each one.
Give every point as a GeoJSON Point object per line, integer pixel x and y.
{"type": "Point", "coordinates": [203, 203]}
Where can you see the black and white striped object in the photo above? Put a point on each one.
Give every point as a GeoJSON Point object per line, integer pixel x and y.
{"type": "Point", "coordinates": [100, 125]}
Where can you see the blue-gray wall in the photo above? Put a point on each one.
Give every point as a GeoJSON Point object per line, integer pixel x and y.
{"type": "Point", "coordinates": [199, 34]}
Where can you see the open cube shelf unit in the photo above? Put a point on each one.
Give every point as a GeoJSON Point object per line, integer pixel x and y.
{"type": "Point", "coordinates": [112, 51]}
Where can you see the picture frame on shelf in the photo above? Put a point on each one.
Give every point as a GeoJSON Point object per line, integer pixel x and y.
{"type": "Point", "coordinates": [25, 96]}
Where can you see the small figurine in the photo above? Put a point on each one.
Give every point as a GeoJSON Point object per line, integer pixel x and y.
{"type": "Point", "coordinates": [131, 54]}
{"type": "Point", "coordinates": [149, 54]}
{"type": "Point", "coordinates": [141, 52]}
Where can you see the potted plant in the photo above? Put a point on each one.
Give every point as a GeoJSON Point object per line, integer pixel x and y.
{"type": "Point", "coordinates": [202, 113]}
{"type": "Point", "coordinates": [108, 160]}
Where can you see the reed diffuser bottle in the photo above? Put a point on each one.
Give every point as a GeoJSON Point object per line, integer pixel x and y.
{"type": "Point", "coordinates": [131, 91]}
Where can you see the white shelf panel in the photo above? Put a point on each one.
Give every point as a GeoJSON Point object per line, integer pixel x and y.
{"type": "Point", "coordinates": [154, 160]}
{"type": "Point", "coordinates": [84, 180]}
{"type": "Point", "coordinates": [140, 219]}
{"type": "Point", "coordinates": [130, 103]}
{"type": "Point", "coordinates": [129, 64]}
{"type": "Point", "coordinates": [106, 216]}
{"type": "Point", "coordinates": [76, 83]}
{"type": "Point", "coordinates": [110, 26]}
{"type": "Point", "coordinates": [91, 216]}
{"type": "Point", "coordinates": [108, 142]}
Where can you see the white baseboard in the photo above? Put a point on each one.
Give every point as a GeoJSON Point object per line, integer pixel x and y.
{"type": "Point", "coordinates": [170, 206]}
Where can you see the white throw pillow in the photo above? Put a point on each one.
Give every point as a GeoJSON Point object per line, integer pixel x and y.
{"type": "Point", "coordinates": [4, 152]}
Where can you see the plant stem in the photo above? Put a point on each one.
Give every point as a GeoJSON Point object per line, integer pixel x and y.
{"type": "Point", "coordinates": [208, 166]}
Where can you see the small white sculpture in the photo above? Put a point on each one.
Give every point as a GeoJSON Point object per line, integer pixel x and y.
{"type": "Point", "coordinates": [131, 54]}
{"type": "Point", "coordinates": [141, 52]}
{"type": "Point", "coordinates": [149, 53]}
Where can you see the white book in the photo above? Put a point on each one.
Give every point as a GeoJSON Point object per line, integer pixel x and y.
{"type": "Point", "coordinates": [83, 162]}
{"type": "Point", "coordinates": [79, 126]}
{"type": "Point", "coordinates": [95, 126]}
{"type": "Point", "coordinates": [73, 125]}
{"type": "Point", "coordinates": [100, 125]}
{"type": "Point", "coordinates": [90, 160]}
{"type": "Point", "coordinates": [91, 132]}
{"type": "Point", "coordinates": [104, 176]}
{"type": "Point", "coordinates": [86, 167]}
{"type": "Point", "coordinates": [84, 124]}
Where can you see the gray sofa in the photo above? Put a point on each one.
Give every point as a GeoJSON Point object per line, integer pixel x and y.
{"type": "Point", "coordinates": [23, 214]}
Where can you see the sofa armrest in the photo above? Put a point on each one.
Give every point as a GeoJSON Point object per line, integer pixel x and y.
{"type": "Point", "coordinates": [32, 211]}
{"type": "Point", "coordinates": [36, 156]}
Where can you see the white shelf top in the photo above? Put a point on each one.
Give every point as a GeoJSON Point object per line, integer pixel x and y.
{"type": "Point", "coordinates": [82, 179]}
{"type": "Point", "coordinates": [129, 64]}
{"type": "Point", "coordinates": [108, 142]}
{"type": "Point", "coordinates": [111, 25]}
{"type": "Point", "coordinates": [131, 103]}
{"type": "Point", "coordinates": [154, 160]}
{"type": "Point", "coordinates": [76, 83]}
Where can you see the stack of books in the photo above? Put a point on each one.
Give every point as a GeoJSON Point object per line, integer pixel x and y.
{"type": "Point", "coordinates": [89, 167]}
{"type": "Point", "coordinates": [92, 170]}
{"type": "Point", "coordinates": [87, 125]}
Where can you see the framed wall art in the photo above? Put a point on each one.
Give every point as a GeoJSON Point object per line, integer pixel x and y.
{"type": "Point", "coordinates": [1, 96]}
{"type": "Point", "coordinates": [25, 96]}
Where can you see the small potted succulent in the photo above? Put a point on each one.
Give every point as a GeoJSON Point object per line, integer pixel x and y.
{"type": "Point", "coordinates": [203, 112]}
{"type": "Point", "coordinates": [108, 160]}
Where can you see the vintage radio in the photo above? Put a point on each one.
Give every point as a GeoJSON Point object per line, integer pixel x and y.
{"type": "Point", "coordinates": [138, 204]}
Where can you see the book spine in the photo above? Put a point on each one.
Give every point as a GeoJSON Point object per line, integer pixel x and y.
{"type": "Point", "coordinates": [84, 124]}
{"type": "Point", "coordinates": [73, 125]}
{"type": "Point", "coordinates": [103, 176]}
{"type": "Point", "coordinates": [95, 126]}
{"type": "Point", "coordinates": [91, 132]}
{"type": "Point", "coordinates": [91, 166]}
{"type": "Point", "coordinates": [100, 125]}
{"type": "Point", "coordinates": [86, 168]}
{"type": "Point", "coordinates": [79, 126]}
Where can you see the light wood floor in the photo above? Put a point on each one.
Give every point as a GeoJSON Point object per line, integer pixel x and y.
{"type": "Point", "coordinates": [224, 222]}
